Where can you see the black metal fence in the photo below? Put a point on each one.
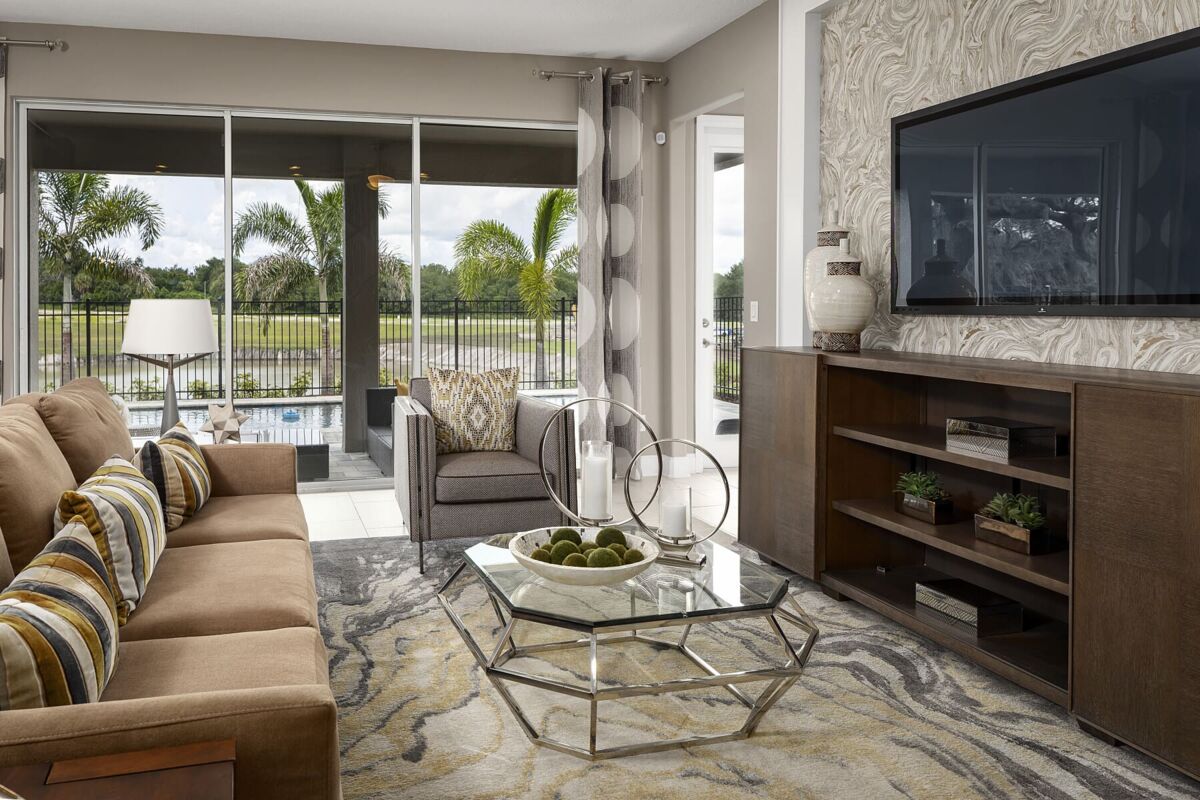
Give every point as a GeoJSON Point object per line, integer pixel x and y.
{"type": "Point", "coordinates": [293, 349]}
{"type": "Point", "coordinates": [727, 341]}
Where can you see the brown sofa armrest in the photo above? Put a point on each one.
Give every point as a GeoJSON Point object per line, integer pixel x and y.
{"type": "Point", "coordinates": [264, 468]}
{"type": "Point", "coordinates": [286, 737]}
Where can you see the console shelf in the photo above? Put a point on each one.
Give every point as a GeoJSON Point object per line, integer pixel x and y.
{"type": "Point", "coordinates": [825, 436]}
{"type": "Point", "coordinates": [930, 441]}
{"type": "Point", "coordinates": [1050, 571]}
{"type": "Point", "coordinates": [1036, 658]}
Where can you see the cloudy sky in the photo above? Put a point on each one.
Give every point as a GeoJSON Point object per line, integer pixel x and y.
{"type": "Point", "coordinates": [193, 210]}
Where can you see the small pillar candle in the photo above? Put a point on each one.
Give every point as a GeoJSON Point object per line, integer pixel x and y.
{"type": "Point", "coordinates": [595, 493]}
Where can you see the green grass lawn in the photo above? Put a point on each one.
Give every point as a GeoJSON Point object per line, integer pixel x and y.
{"type": "Point", "coordinates": [303, 332]}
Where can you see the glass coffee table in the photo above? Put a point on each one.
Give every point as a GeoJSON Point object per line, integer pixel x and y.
{"type": "Point", "coordinates": [658, 610]}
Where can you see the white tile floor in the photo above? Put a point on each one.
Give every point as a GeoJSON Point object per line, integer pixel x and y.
{"type": "Point", "coordinates": [374, 513]}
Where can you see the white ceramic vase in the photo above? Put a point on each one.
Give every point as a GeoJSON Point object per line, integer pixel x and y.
{"type": "Point", "coordinates": [842, 303]}
{"type": "Point", "coordinates": [815, 263]}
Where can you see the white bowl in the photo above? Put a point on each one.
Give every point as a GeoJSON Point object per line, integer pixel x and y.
{"type": "Point", "coordinates": [525, 543]}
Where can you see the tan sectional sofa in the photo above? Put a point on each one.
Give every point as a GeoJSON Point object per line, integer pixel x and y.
{"type": "Point", "coordinates": [225, 643]}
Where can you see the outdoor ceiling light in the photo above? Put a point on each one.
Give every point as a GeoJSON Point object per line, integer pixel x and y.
{"type": "Point", "coordinates": [160, 166]}
{"type": "Point", "coordinates": [373, 181]}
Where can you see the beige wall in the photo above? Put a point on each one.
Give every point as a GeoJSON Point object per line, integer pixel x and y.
{"type": "Point", "coordinates": [883, 58]}
{"type": "Point", "coordinates": [736, 68]}
{"type": "Point", "coordinates": [153, 67]}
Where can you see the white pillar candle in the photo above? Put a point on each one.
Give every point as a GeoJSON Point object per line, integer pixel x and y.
{"type": "Point", "coordinates": [674, 520]}
{"type": "Point", "coordinates": [595, 501]}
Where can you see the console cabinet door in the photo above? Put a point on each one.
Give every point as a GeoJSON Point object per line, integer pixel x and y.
{"type": "Point", "coordinates": [778, 458]}
{"type": "Point", "coordinates": [1136, 581]}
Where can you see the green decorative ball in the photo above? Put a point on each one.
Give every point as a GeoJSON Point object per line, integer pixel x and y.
{"type": "Point", "coordinates": [603, 557]}
{"type": "Point", "coordinates": [540, 555]}
{"type": "Point", "coordinates": [617, 548]}
{"type": "Point", "coordinates": [575, 560]}
{"type": "Point", "coordinates": [566, 535]}
{"type": "Point", "coordinates": [583, 548]}
{"type": "Point", "coordinates": [561, 550]}
{"type": "Point", "coordinates": [610, 535]}
{"type": "Point", "coordinates": [632, 556]}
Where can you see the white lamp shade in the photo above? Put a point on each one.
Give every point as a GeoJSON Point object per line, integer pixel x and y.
{"type": "Point", "coordinates": [169, 327]}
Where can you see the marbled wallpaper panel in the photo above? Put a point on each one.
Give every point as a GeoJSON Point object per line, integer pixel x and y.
{"type": "Point", "coordinates": [883, 58]}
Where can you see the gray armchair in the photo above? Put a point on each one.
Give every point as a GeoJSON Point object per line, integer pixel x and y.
{"type": "Point", "coordinates": [479, 494]}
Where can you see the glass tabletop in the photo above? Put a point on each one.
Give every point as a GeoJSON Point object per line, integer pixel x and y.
{"type": "Point", "coordinates": [728, 582]}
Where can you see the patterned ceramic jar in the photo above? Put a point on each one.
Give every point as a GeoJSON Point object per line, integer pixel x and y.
{"type": "Point", "coordinates": [828, 239]}
{"type": "Point", "coordinates": [842, 304]}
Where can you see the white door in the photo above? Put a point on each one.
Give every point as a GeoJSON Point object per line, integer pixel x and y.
{"type": "Point", "coordinates": [720, 219]}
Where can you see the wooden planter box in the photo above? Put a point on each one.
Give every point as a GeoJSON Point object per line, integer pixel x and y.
{"type": "Point", "coordinates": [935, 512]}
{"type": "Point", "coordinates": [1012, 537]}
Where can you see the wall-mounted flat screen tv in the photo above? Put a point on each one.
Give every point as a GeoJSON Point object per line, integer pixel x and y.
{"type": "Point", "coordinates": [1072, 192]}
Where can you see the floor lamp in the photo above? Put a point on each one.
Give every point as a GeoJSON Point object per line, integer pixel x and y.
{"type": "Point", "coordinates": [179, 330]}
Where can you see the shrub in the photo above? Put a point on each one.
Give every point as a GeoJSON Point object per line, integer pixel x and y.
{"type": "Point", "coordinates": [300, 384]}
{"type": "Point", "coordinates": [201, 389]}
{"type": "Point", "coordinates": [245, 384]}
{"type": "Point", "coordinates": [142, 389]}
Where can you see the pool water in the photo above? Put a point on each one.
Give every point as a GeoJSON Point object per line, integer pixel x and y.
{"type": "Point", "coordinates": [315, 415]}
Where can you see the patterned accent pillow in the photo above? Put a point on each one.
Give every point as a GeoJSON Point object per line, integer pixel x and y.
{"type": "Point", "coordinates": [122, 511]}
{"type": "Point", "coordinates": [474, 411]}
{"type": "Point", "coordinates": [176, 466]}
{"type": "Point", "coordinates": [58, 626]}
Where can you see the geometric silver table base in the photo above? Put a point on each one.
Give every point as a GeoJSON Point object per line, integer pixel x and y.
{"type": "Point", "coordinates": [496, 666]}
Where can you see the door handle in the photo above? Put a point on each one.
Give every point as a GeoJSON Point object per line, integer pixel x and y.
{"type": "Point", "coordinates": [706, 342]}
{"type": "Point", "coordinates": [704, 323]}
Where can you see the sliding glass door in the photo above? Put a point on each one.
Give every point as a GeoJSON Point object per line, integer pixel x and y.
{"type": "Point", "coordinates": [299, 231]}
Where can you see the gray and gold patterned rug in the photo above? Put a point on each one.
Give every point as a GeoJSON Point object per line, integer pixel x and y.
{"type": "Point", "coordinates": [879, 713]}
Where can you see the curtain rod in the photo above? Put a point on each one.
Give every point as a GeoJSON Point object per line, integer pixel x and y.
{"type": "Point", "coordinates": [549, 74]}
{"type": "Point", "coordinates": [49, 44]}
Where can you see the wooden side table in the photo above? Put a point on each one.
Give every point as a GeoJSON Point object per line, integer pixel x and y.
{"type": "Point", "coordinates": [201, 771]}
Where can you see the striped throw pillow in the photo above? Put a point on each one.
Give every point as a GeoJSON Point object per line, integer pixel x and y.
{"type": "Point", "coordinates": [122, 510]}
{"type": "Point", "coordinates": [176, 467]}
{"type": "Point", "coordinates": [58, 626]}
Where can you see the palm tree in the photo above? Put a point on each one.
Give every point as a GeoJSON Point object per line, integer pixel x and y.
{"type": "Point", "coordinates": [305, 249]}
{"type": "Point", "coordinates": [489, 248]}
{"type": "Point", "coordinates": [79, 212]}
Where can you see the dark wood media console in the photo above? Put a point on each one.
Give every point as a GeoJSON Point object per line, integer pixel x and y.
{"type": "Point", "coordinates": [1112, 627]}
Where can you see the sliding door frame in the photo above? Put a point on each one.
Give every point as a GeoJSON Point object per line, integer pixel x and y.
{"type": "Point", "coordinates": [24, 287]}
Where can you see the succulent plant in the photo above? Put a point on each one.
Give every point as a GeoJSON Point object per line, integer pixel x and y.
{"type": "Point", "coordinates": [925, 485]}
{"type": "Point", "coordinates": [561, 550]}
{"type": "Point", "coordinates": [632, 556]}
{"type": "Point", "coordinates": [575, 560]}
{"type": "Point", "coordinates": [1015, 509]}
{"type": "Point", "coordinates": [603, 557]}
{"type": "Point", "coordinates": [610, 535]}
{"type": "Point", "coordinates": [566, 535]}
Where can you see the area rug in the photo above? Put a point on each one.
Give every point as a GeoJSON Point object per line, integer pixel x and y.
{"type": "Point", "coordinates": [879, 713]}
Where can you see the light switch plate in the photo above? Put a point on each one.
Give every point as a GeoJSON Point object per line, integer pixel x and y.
{"type": "Point", "coordinates": [754, 311]}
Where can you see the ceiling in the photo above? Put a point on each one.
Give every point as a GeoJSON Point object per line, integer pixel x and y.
{"type": "Point", "coordinates": [649, 30]}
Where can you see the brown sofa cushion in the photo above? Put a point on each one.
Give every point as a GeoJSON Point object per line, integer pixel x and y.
{"type": "Point", "coordinates": [224, 519]}
{"type": "Point", "coordinates": [83, 420]}
{"type": "Point", "coordinates": [249, 660]}
{"type": "Point", "coordinates": [486, 477]}
{"type": "Point", "coordinates": [227, 588]}
{"type": "Point", "coordinates": [33, 475]}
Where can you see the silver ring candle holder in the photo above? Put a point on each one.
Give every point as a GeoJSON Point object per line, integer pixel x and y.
{"type": "Point", "coordinates": [588, 521]}
{"type": "Point", "coordinates": [679, 549]}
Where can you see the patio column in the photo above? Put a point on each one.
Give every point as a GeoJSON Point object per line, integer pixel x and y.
{"type": "Point", "coordinates": [360, 292]}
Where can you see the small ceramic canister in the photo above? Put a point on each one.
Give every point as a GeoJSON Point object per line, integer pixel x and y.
{"type": "Point", "coordinates": [842, 304]}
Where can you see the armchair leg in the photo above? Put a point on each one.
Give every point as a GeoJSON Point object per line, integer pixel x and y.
{"type": "Point", "coordinates": [421, 554]}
